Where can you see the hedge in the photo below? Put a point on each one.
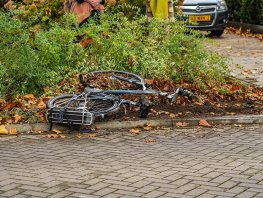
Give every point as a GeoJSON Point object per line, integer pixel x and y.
{"type": "Point", "coordinates": [247, 11]}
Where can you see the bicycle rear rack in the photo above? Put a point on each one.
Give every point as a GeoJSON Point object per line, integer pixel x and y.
{"type": "Point", "coordinates": [70, 116]}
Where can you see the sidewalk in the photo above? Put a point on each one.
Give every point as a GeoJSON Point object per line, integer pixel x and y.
{"type": "Point", "coordinates": [246, 56]}
{"type": "Point", "coordinates": [192, 162]}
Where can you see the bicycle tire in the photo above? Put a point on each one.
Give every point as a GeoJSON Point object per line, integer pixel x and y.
{"type": "Point", "coordinates": [82, 110]}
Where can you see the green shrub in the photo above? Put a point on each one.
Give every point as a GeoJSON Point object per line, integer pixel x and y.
{"type": "Point", "coordinates": [35, 12]}
{"type": "Point", "coordinates": [31, 60]}
{"type": "Point", "coordinates": [154, 50]}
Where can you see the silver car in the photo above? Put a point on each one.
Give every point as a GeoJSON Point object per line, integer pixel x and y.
{"type": "Point", "coordinates": [206, 15]}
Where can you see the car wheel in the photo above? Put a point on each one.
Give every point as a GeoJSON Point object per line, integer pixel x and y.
{"type": "Point", "coordinates": [217, 33]}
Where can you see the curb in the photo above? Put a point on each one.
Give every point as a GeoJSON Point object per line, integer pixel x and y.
{"type": "Point", "coordinates": [228, 120]}
{"type": "Point", "coordinates": [255, 29]}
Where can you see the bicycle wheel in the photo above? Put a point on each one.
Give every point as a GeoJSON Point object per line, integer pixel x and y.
{"type": "Point", "coordinates": [81, 109]}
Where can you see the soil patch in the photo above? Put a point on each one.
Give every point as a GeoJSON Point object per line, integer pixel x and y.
{"type": "Point", "coordinates": [194, 110]}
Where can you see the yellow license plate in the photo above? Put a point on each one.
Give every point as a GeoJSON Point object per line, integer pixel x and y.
{"type": "Point", "coordinates": [200, 18]}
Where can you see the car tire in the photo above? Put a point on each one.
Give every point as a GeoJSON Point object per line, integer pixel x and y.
{"type": "Point", "coordinates": [216, 33]}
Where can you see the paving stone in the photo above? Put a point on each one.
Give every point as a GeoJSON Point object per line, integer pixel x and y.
{"type": "Point", "coordinates": [104, 191]}
{"type": "Point", "coordinates": [130, 193]}
{"type": "Point", "coordinates": [154, 194]}
{"type": "Point", "coordinates": [35, 193]}
{"type": "Point", "coordinates": [147, 189]}
{"type": "Point", "coordinates": [11, 193]}
{"type": "Point", "coordinates": [123, 165]}
{"type": "Point", "coordinates": [9, 187]}
{"type": "Point", "coordinates": [196, 192]}
{"type": "Point", "coordinates": [79, 190]}
{"type": "Point", "coordinates": [181, 182]}
{"type": "Point", "coordinates": [236, 190]}
{"type": "Point", "coordinates": [247, 194]}
{"type": "Point", "coordinates": [61, 194]}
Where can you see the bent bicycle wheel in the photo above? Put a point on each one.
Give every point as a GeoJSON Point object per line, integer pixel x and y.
{"type": "Point", "coordinates": [80, 109]}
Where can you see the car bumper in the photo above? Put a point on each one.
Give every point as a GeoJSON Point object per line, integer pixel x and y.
{"type": "Point", "coordinates": [218, 20]}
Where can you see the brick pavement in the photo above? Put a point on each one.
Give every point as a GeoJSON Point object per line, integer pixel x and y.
{"type": "Point", "coordinates": [192, 162]}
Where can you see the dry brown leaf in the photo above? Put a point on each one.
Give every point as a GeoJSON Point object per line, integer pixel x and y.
{"type": "Point", "coordinates": [85, 42]}
{"type": "Point", "coordinates": [46, 99]}
{"type": "Point", "coordinates": [147, 128]}
{"type": "Point", "coordinates": [247, 71]}
{"type": "Point", "coordinates": [41, 105]}
{"type": "Point", "coordinates": [148, 81]}
{"type": "Point", "coordinates": [41, 115]}
{"type": "Point", "coordinates": [1, 119]}
{"type": "Point", "coordinates": [172, 115]}
{"type": "Point", "coordinates": [149, 140]}
{"type": "Point", "coordinates": [235, 87]}
{"type": "Point", "coordinates": [17, 118]}
{"type": "Point", "coordinates": [135, 131]}
{"type": "Point", "coordinates": [3, 130]}
{"type": "Point", "coordinates": [62, 136]}
{"type": "Point", "coordinates": [92, 135]}
{"type": "Point", "coordinates": [13, 131]}
{"type": "Point", "coordinates": [97, 127]}
{"type": "Point", "coordinates": [9, 120]}
{"type": "Point", "coordinates": [203, 122]}
{"type": "Point", "coordinates": [56, 131]}
{"type": "Point", "coordinates": [53, 136]}
{"type": "Point", "coordinates": [181, 124]}
{"type": "Point", "coordinates": [29, 97]}
{"type": "Point", "coordinates": [8, 106]}
{"type": "Point", "coordinates": [130, 61]}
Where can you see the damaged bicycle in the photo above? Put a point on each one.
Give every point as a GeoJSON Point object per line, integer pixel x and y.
{"type": "Point", "coordinates": [96, 103]}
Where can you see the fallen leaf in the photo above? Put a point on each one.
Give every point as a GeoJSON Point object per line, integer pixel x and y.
{"type": "Point", "coordinates": [235, 87]}
{"type": "Point", "coordinates": [135, 131]}
{"type": "Point", "coordinates": [8, 106]}
{"type": "Point", "coordinates": [247, 71]}
{"type": "Point", "coordinates": [147, 128]}
{"type": "Point", "coordinates": [3, 130]}
{"type": "Point", "coordinates": [172, 115]}
{"type": "Point", "coordinates": [62, 136]}
{"type": "Point", "coordinates": [85, 42]}
{"type": "Point", "coordinates": [29, 97]}
{"type": "Point", "coordinates": [56, 131]}
{"type": "Point", "coordinates": [181, 124]}
{"type": "Point", "coordinates": [237, 125]}
{"type": "Point", "coordinates": [41, 115]}
{"type": "Point", "coordinates": [46, 99]}
{"type": "Point", "coordinates": [130, 61]}
{"type": "Point", "coordinates": [41, 105]}
{"type": "Point", "coordinates": [97, 127]}
{"type": "Point", "coordinates": [13, 131]}
{"type": "Point", "coordinates": [9, 120]}
{"type": "Point", "coordinates": [148, 81]}
{"type": "Point", "coordinates": [203, 122]}
{"type": "Point", "coordinates": [17, 118]}
{"type": "Point", "coordinates": [92, 135]}
{"type": "Point", "coordinates": [53, 136]}
{"type": "Point", "coordinates": [149, 140]}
